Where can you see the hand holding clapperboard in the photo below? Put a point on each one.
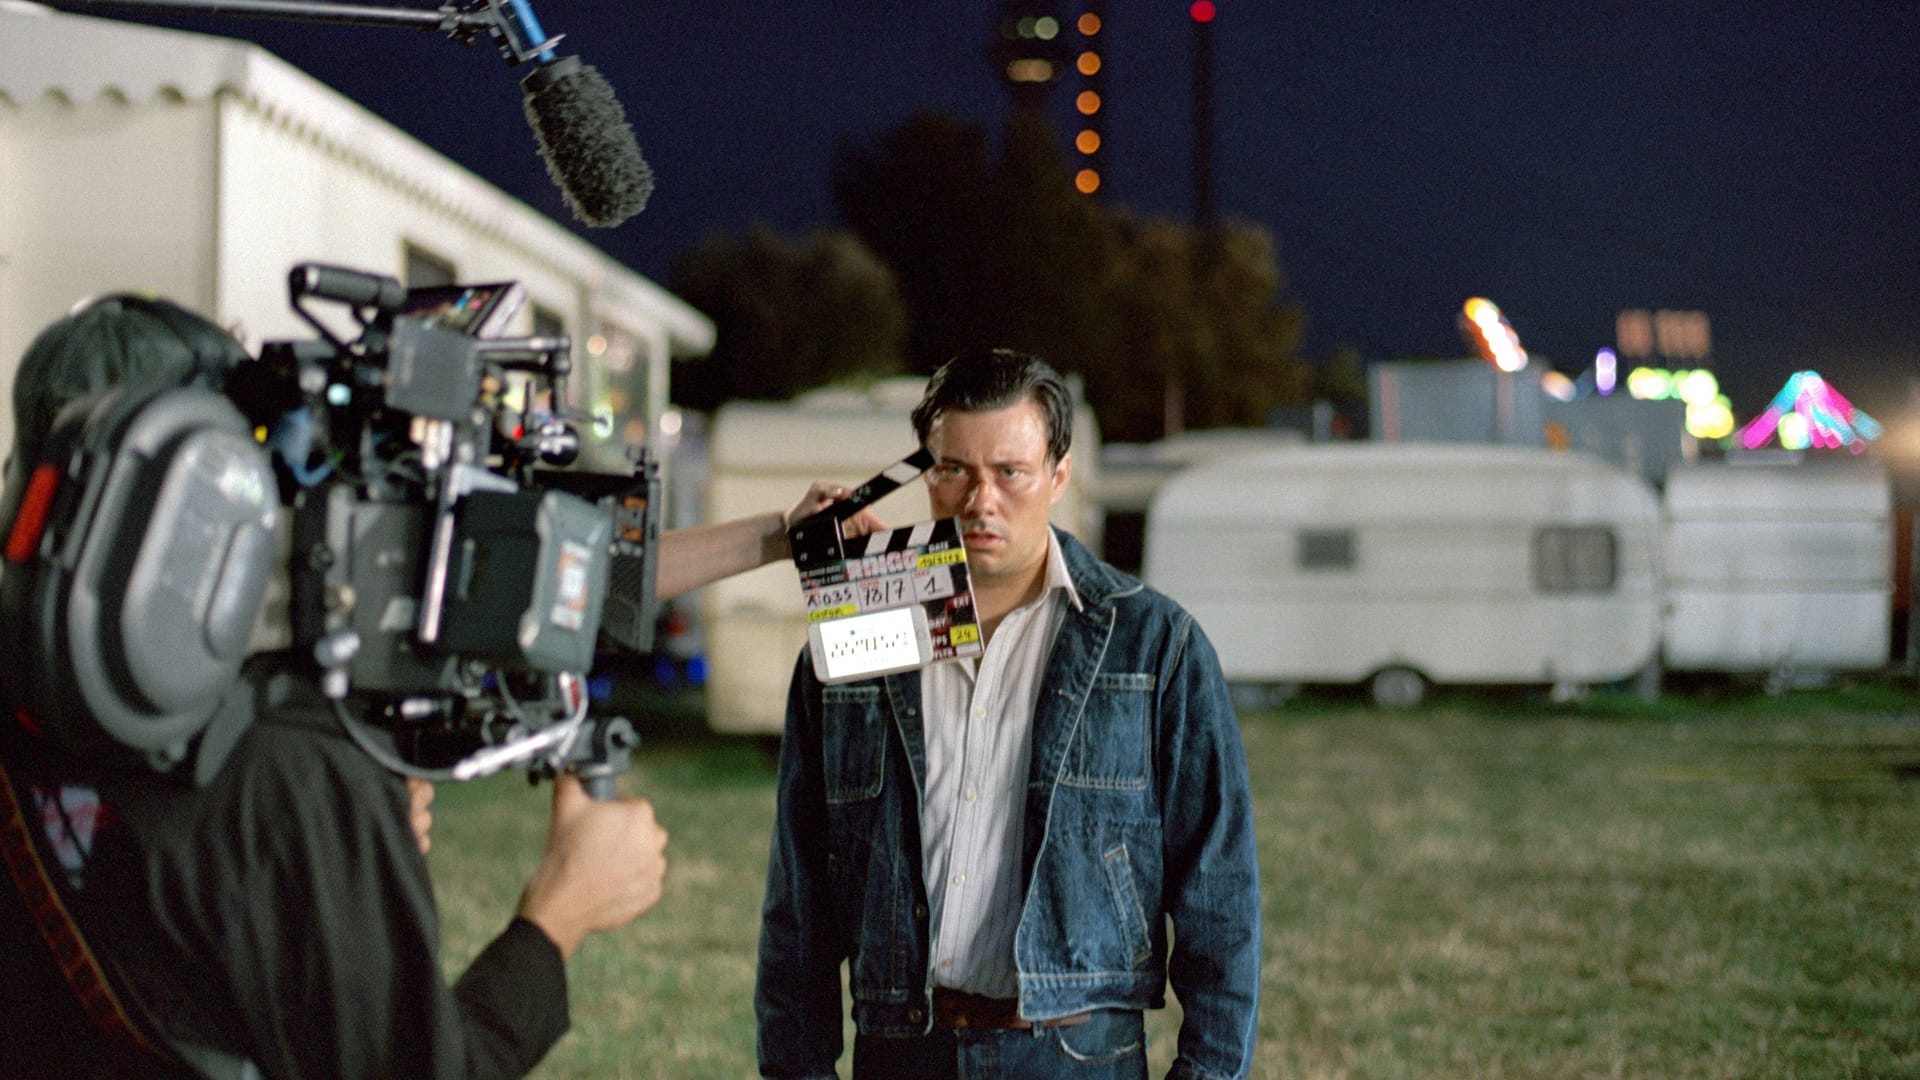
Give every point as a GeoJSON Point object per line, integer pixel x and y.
{"type": "Point", "coordinates": [889, 601]}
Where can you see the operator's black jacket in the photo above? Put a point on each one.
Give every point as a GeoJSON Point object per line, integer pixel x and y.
{"type": "Point", "coordinates": [281, 914]}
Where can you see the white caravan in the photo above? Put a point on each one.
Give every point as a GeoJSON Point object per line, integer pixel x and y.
{"type": "Point", "coordinates": [1783, 570]}
{"type": "Point", "coordinates": [762, 455]}
{"type": "Point", "coordinates": [1401, 565]}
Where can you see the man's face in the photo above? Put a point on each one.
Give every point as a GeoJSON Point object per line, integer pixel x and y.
{"type": "Point", "coordinates": [990, 470]}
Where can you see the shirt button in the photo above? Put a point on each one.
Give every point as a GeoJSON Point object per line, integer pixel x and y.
{"type": "Point", "coordinates": [959, 879]}
{"type": "Point", "coordinates": [919, 911]}
{"type": "Point", "coordinates": [972, 794]}
{"type": "Point", "coordinates": [915, 1015]}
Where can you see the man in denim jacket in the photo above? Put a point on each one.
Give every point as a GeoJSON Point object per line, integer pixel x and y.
{"type": "Point", "coordinates": [996, 844]}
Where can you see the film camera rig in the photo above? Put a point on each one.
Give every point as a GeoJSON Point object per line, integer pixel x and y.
{"type": "Point", "coordinates": [450, 578]}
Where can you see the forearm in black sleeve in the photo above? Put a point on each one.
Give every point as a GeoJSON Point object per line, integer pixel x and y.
{"type": "Point", "coordinates": [513, 1002]}
{"type": "Point", "coordinates": [330, 937]}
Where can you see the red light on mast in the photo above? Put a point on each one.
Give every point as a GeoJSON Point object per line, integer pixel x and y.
{"type": "Point", "coordinates": [1202, 11]}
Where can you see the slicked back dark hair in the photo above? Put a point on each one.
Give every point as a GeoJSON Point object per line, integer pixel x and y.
{"type": "Point", "coordinates": [984, 380]}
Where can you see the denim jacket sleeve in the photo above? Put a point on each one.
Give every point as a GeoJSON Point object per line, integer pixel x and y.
{"type": "Point", "coordinates": [797, 990]}
{"type": "Point", "coordinates": [1213, 881]}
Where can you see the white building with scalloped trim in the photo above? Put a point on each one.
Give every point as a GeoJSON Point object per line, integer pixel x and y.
{"type": "Point", "coordinates": [201, 168]}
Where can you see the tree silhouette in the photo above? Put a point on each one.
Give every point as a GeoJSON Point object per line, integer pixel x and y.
{"type": "Point", "coordinates": [986, 252]}
{"type": "Point", "coordinates": [951, 246]}
{"type": "Point", "coordinates": [1006, 252]}
{"type": "Point", "coordinates": [790, 316]}
{"type": "Point", "coordinates": [1342, 378]}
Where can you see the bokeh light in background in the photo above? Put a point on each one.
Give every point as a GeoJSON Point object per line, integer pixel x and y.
{"type": "Point", "coordinates": [1709, 412]}
{"type": "Point", "coordinates": [1086, 179]}
{"type": "Point", "coordinates": [1808, 413]}
{"type": "Point", "coordinates": [1710, 419]}
{"type": "Point", "coordinates": [1488, 330]}
{"type": "Point", "coordinates": [1558, 386]}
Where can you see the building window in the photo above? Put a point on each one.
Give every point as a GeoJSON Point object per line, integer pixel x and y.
{"type": "Point", "coordinates": [424, 269]}
{"type": "Point", "coordinates": [1325, 549]}
{"type": "Point", "coordinates": [1574, 558]}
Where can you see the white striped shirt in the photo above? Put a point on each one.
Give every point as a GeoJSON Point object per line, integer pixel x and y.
{"type": "Point", "coordinates": [979, 725]}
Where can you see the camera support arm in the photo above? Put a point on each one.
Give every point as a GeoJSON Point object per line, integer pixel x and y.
{"type": "Point", "coordinates": [462, 24]}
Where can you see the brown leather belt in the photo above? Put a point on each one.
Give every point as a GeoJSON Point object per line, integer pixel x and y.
{"type": "Point", "coordinates": [959, 1009]}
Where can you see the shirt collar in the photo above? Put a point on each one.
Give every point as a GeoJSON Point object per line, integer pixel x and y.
{"type": "Point", "coordinates": [1057, 576]}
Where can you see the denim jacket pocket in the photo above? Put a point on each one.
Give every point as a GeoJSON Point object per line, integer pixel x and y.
{"type": "Point", "coordinates": [1130, 918]}
{"type": "Point", "coordinates": [854, 733]}
{"type": "Point", "coordinates": [1110, 749]}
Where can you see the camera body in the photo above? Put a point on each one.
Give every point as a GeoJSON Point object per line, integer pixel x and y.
{"type": "Point", "coordinates": [450, 579]}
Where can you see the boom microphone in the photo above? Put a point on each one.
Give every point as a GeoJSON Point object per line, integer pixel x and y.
{"type": "Point", "coordinates": [583, 133]}
{"type": "Point", "coordinates": [586, 142]}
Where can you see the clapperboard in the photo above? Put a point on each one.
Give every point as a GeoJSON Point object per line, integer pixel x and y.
{"type": "Point", "coordinates": [889, 601]}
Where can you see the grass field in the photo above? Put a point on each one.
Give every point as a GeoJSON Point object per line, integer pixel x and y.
{"type": "Point", "coordinates": [1708, 886]}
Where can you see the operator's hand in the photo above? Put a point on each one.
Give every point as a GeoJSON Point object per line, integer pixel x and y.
{"type": "Point", "coordinates": [603, 867]}
{"type": "Point", "coordinates": [420, 811]}
{"type": "Point", "coordinates": [821, 495]}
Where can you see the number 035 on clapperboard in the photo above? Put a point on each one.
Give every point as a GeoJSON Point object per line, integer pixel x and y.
{"type": "Point", "coordinates": [889, 601]}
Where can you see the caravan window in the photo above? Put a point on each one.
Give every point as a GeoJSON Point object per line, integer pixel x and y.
{"type": "Point", "coordinates": [1325, 549]}
{"type": "Point", "coordinates": [425, 269]}
{"type": "Point", "coordinates": [1574, 558]}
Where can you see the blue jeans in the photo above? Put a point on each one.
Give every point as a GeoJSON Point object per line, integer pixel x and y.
{"type": "Point", "coordinates": [1111, 1045]}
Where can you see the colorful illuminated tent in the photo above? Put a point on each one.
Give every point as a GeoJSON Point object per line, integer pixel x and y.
{"type": "Point", "coordinates": [1809, 412]}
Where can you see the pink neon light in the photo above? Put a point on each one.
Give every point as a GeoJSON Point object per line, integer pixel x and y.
{"type": "Point", "coordinates": [1831, 419]}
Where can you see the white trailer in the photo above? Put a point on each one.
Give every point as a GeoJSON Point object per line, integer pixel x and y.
{"type": "Point", "coordinates": [1780, 569]}
{"type": "Point", "coordinates": [762, 455]}
{"type": "Point", "coordinates": [1400, 565]}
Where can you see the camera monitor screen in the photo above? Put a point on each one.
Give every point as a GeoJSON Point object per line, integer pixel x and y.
{"type": "Point", "coordinates": [481, 311]}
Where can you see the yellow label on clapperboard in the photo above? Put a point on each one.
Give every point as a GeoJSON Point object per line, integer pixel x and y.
{"type": "Point", "coordinates": [964, 634]}
{"type": "Point", "coordinates": [940, 558]}
{"type": "Point", "coordinates": [824, 614]}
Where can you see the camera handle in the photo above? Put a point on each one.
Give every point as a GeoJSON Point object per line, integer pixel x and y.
{"type": "Point", "coordinates": [600, 753]}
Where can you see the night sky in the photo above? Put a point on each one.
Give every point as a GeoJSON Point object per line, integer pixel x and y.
{"type": "Point", "coordinates": [1756, 160]}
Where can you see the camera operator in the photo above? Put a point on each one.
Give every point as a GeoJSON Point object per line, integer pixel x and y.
{"type": "Point", "coordinates": [265, 904]}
